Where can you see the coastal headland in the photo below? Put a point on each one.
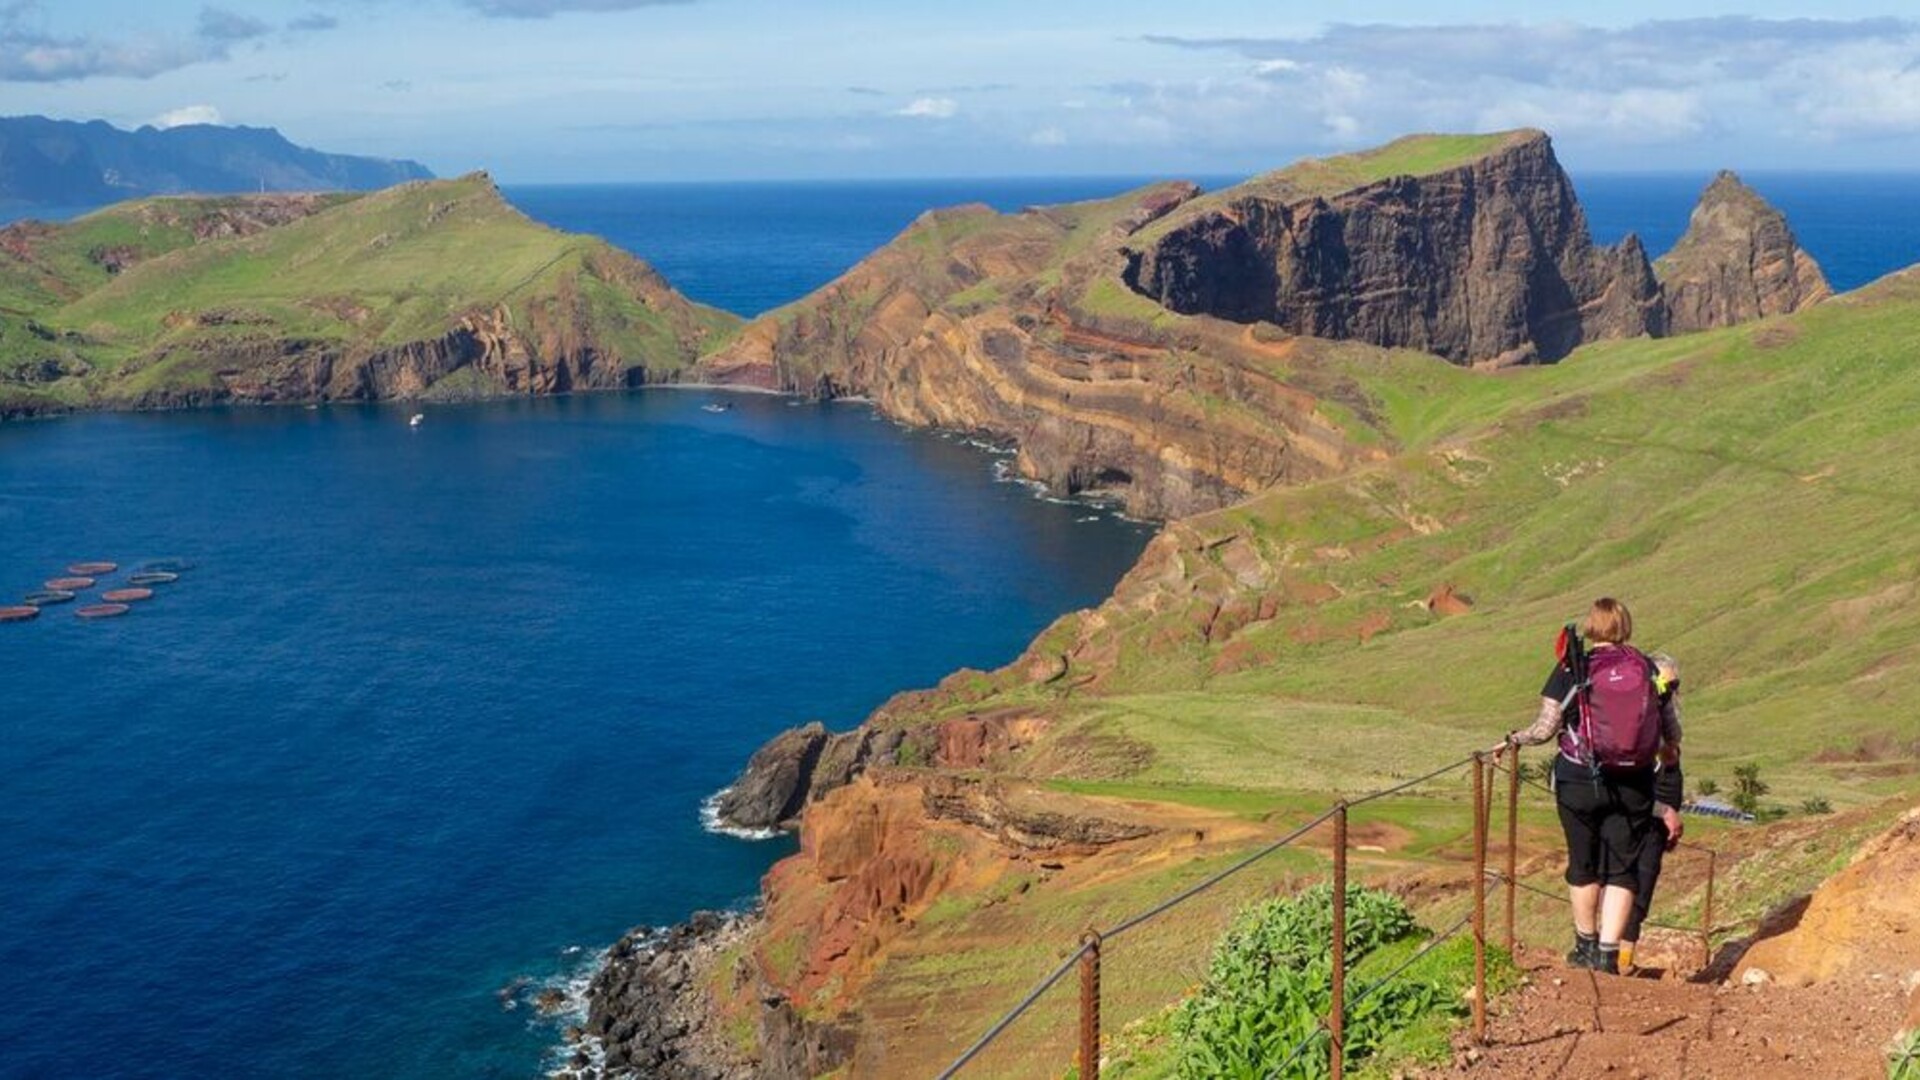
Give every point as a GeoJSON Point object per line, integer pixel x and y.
{"type": "Point", "coordinates": [1400, 415]}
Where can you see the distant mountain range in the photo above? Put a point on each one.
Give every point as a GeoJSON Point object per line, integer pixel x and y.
{"type": "Point", "coordinates": [65, 162]}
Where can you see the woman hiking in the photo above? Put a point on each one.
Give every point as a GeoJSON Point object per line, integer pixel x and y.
{"type": "Point", "coordinates": [1613, 726]}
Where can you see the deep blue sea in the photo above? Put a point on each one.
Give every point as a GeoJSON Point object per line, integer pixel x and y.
{"type": "Point", "coordinates": [750, 247]}
{"type": "Point", "coordinates": [436, 709]}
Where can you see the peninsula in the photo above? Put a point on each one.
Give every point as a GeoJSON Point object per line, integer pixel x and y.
{"type": "Point", "coordinates": [1372, 395]}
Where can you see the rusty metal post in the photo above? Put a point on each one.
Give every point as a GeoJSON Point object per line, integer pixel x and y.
{"type": "Point", "coordinates": [1337, 1011]}
{"type": "Point", "coordinates": [1090, 1007]}
{"type": "Point", "coordinates": [1513, 842]}
{"type": "Point", "coordinates": [1706, 916]}
{"type": "Point", "coordinates": [1479, 899]}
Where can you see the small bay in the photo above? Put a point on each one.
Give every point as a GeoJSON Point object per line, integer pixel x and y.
{"type": "Point", "coordinates": [436, 707]}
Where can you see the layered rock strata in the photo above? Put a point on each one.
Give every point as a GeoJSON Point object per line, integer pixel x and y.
{"type": "Point", "coordinates": [1737, 262]}
{"type": "Point", "coordinates": [1490, 260]}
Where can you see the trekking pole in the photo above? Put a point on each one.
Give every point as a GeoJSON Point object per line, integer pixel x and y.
{"type": "Point", "coordinates": [1513, 841]}
{"type": "Point", "coordinates": [1090, 1007]}
{"type": "Point", "coordinates": [1479, 899]}
{"type": "Point", "coordinates": [1337, 1011]}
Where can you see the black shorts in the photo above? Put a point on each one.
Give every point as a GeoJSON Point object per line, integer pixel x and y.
{"type": "Point", "coordinates": [1605, 819]}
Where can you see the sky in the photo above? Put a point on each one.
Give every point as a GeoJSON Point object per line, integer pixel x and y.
{"type": "Point", "coordinates": [619, 90]}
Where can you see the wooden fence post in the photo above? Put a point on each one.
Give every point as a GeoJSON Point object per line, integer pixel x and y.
{"type": "Point", "coordinates": [1479, 899]}
{"type": "Point", "coordinates": [1090, 1007]}
{"type": "Point", "coordinates": [1706, 916]}
{"type": "Point", "coordinates": [1513, 842]}
{"type": "Point", "coordinates": [1337, 1011]}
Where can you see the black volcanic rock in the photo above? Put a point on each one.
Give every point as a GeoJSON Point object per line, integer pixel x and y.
{"type": "Point", "coordinates": [1487, 260]}
{"type": "Point", "coordinates": [798, 766]}
{"type": "Point", "coordinates": [64, 162]}
{"type": "Point", "coordinates": [1738, 261]}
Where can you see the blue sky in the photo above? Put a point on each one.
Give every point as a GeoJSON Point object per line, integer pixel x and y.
{"type": "Point", "coordinates": [576, 90]}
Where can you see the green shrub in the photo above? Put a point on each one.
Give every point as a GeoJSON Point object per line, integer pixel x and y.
{"type": "Point", "coordinates": [1903, 1057]}
{"type": "Point", "coordinates": [1816, 805]}
{"type": "Point", "coordinates": [1748, 787]}
{"type": "Point", "coordinates": [1708, 786]}
{"type": "Point", "coordinates": [1270, 983]}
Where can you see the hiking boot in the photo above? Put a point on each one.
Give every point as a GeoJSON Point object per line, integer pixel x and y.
{"type": "Point", "coordinates": [1606, 961]}
{"type": "Point", "coordinates": [1586, 952]}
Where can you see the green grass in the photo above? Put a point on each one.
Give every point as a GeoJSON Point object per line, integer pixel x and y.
{"type": "Point", "coordinates": [362, 275]}
{"type": "Point", "coordinates": [1413, 155]}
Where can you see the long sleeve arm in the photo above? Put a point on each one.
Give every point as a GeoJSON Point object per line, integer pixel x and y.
{"type": "Point", "coordinates": [1670, 720]}
{"type": "Point", "coordinates": [1546, 725]}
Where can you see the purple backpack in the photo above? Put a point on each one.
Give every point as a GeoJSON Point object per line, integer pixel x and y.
{"type": "Point", "coordinates": [1620, 710]}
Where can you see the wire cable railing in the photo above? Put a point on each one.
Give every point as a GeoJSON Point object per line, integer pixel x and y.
{"type": "Point", "coordinates": [1330, 1027]}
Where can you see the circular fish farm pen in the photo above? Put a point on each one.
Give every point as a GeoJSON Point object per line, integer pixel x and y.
{"type": "Point", "coordinates": [92, 569]}
{"type": "Point", "coordinates": [166, 566]}
{"type": "Point", "coordinates": [22, 613]}
{"type": "Point", "coordinates": [126, 596]}
{"type": "Point", "coordinates": [69, 584]}
{"type": "Point", "coordinates": [153, 577]}
{"type": "Point", "coordinates": [101, 611]}
{"type": "Point", "coordinates": [42, 597]}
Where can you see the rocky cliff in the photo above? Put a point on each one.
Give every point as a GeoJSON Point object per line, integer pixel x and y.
{"type": "Point", "coordinates": [1486, 259]}
{"type": "Point", "coordinates": [1170, 348]}
{"type": "Point", "coordinates": [1738, 262]}
{"type": "Point", "coordinates": [1016, 325]}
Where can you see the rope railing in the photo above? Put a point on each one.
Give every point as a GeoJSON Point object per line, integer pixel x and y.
{"type": "Point", "coordinates": [1484, 767]}
{"type": "Point", "coordinates": [1203, 886]}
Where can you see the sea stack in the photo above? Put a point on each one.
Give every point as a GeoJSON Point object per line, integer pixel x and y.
{"type": "Point", "coordinates": [1738, 261]}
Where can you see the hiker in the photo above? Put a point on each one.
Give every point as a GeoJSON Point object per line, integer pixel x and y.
{"type": "Point", "coordinates": [1612, 726]}
{"type": "Point", "coordinates": [1665, 830]}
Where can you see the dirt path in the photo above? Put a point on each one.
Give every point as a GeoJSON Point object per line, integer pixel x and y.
{"type": "Point", "coordinates": [1574, 1025]}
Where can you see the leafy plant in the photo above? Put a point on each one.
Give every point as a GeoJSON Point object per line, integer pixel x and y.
{"type": "Point", "coordinates": [1748, 788]}
{"type": "Point", "coordinates": [1270, 983]}
{"type": "Point", "coordinates": [1816, 805]}
{"type": "Point", "coordinates": [1708, 786]}
{"type": "Point", "coordinates": [1903, 1057]}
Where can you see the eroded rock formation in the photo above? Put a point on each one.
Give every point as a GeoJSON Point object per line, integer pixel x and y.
{"type": "Point", "coordinates": [799, 766]}
{"type": "Point", "coordinates": [1738, 262]}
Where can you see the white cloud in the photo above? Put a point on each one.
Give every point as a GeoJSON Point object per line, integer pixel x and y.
{"type": "Point", "coordinates": [932, 108]}
{"type": "Point", "coordinates": [185, 116]}
{"type": "Point", "coordinates": [1732, 79]}
{"type": "Point", "coordinates": [1048, 136]}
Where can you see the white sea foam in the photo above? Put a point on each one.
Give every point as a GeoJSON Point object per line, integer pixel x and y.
{"type": "Point", "coordinates": [710, 820]}
{"type": "Point", "coordinates": [572, 984]}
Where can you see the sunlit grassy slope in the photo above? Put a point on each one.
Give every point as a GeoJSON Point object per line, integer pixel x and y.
{"type": "Point", "coordinates": [1751, 493]}
{"type": "Point", "coordinates": [362, 274]}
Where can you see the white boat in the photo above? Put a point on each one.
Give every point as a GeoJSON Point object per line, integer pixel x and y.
{"type": "Point", "coordinates": [417, 417]}
{"type": "Point", "coordinates": [716, 407]}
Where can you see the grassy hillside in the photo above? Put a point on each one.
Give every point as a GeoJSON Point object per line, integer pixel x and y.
{"type": "Point", "coordinates": [1749, 491]}
{"type": "Point", "coordinates": [190, 308]}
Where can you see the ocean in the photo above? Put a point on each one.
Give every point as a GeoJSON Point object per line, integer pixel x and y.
{"type": "Point", "coordinates": [751, 247]}
{"type": "Point", "coordinates": [433, 714]}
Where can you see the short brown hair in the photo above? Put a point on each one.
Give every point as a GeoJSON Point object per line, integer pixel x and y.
{"type": "Point", "coordinates": [1608, 621]}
